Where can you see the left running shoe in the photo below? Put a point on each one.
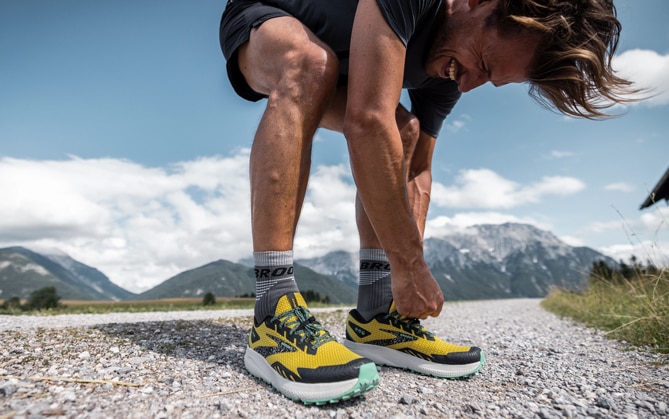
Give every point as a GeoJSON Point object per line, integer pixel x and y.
{"type": "Point", "coordinates": [299, 358]}
{"type": "Point", "coordinates": [397, 341]}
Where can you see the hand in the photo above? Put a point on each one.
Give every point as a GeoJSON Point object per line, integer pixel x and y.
{"type": "Point", "coordinates": [415, 291]}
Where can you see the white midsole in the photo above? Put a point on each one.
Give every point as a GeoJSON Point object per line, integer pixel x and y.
{"type": "Point", "coordinates": [257, 365]}
{"type": "Point", "coordinates": [395, 358]}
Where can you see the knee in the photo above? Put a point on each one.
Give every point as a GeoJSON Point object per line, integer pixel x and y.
{"type": "Point", "coordinates": [310, 75]}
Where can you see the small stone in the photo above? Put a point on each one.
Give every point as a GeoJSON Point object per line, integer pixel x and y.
{"type": "Point", "coordinates": [70, 396]}
{"type": "Point", "coordinates": [604, 403]}
{"type": "Point", "coordinates": [84, 355]}
{"type": "Point", "coordinates": [406, 399]}
{"type": "Point", "coordinates": [7, 389]}
{"type": "Point", "coordinates": [224, 406]}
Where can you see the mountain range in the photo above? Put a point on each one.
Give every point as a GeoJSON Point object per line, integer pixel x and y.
{"type": "Point", "coordinates": [481, 262]}
{"type": "Point", "coordinates": [23, 271]}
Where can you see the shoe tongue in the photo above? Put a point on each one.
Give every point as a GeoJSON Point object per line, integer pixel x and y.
{"type": "Point", "coordinates": [289, 302]}
{"type": "Point", "coordinates": [392, 307]}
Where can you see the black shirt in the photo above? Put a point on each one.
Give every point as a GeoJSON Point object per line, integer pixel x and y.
{"type": "Point", "coordinates": [414, 22]}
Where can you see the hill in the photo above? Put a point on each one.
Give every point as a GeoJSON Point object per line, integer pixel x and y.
{"type": "Point", "coordinates": [23, 271]}
{"type": "Point", "coordinates": [228, 279]}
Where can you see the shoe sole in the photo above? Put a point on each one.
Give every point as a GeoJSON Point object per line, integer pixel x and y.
{"type": "Point", "coordinates": [312, 393]}
{"type": "Point", "coordinates": [394, 358]}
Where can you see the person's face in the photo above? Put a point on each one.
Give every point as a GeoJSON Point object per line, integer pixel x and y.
{"type": "Point", "coordinates": [471, 54]}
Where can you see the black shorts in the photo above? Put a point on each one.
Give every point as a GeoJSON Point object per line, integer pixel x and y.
{"type": "Point", "coordinates": [239, 18]}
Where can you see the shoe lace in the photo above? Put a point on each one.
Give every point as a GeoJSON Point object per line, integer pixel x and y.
{"type": "Point", "coordinates": [304, 327]}
{"type": "Point", "coordinates": [408, 324]}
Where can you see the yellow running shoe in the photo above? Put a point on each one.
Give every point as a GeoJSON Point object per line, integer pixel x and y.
{"type": "Point", "coordinates": [299, 358]}
{"type": "Point", "coordinates": [397, 341]}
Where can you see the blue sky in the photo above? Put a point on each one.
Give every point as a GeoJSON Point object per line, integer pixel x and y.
{"type": "Point", "coordinates": [123, 145]}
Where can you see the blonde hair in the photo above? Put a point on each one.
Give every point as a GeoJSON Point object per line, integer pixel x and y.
{"type": "Point", "coordinates": [572, 65]}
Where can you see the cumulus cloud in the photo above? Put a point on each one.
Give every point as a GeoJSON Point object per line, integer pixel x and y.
{"type": "Point", "coordinates": [328, 215]}
{"type": "Point", "coordinates": [649, 70]}
{"type": "Point", "coordinates": [483, 188]}
{"type": "Point", "coordinates": [139, 225]}
{"type": "Point", "coordinates": [142, 225]}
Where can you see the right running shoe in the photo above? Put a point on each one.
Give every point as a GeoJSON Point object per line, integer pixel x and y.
{"type": "Point", "coordinates": [397, 341]}
{"type": "Point", "coordinates": [300, 359]}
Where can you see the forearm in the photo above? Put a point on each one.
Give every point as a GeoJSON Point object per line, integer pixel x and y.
{"type": "Point", "coordinates": [419, 180]}
{"type": "Point", "coordinates": [378, 169]}
{"type": "Point", "coordinates": [419, 198]}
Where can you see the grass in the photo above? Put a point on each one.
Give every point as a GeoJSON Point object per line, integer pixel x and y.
{"type": "Point", "coordinates": [630, 304]}
{"type": "Point", "coordinates": [143, 306]}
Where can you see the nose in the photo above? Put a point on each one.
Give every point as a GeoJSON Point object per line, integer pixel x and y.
{"type": "Point", "coordinates": [470, 81]}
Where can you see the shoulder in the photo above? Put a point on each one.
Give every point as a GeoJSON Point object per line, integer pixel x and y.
{"type": "Point", "coordinates": [403, 16]}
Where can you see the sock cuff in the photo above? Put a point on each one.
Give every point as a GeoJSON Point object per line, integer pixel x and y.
{"type": "Point", "coordinates": [273, 258]}
{"type": "Point", "coordinates": [373, 254]}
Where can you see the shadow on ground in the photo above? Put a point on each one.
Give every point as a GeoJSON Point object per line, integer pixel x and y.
{"type": "Point", "coordinates": [218, 342]}
{"type": "Point", "coordinates": [201, 340]}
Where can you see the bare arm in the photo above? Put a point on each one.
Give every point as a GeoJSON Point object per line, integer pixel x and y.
{"type": "Point", "coordinates": [375, 82]}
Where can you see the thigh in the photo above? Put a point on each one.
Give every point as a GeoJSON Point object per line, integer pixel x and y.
{"type": "Point", "coordinates": [281, 49]}
{"type": "Point", "coordinates": [239, 19]}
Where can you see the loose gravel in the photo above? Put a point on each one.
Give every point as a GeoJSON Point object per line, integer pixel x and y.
{"type": "Point", "coordinates": [190, 365]}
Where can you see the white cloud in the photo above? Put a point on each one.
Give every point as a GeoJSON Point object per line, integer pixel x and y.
{"type": "Point", "coordinates": [138, 225]}
{"type": "Point", "coordinates": [328, 215]}
{"type": "Point", "coordinates": [649, 70]}
{"type": "Point", "coordinates": [620, 186]}
{"type": "Point", "coordinates": [143, 225]}
{"type": "Point", "coordinates": [647, 237]}
{"type": "Point", "coordinates": [645, 252]}
{"type": "Point", "coordinates": [558, 154]}
{"type": "Point", "coordinates": [454, 125]}
{"type": "Point", "coordinates": [484, 188]}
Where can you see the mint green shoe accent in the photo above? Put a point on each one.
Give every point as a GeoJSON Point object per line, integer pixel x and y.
{"type": "Point", "coordinates": [368, 379]}
{"type": "Point", "coordinates": [312, 393]}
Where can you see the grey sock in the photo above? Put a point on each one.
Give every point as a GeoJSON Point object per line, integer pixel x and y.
{"type": "Point", "coordinates": [374, 290]}
{"type": "Point", "coordinates": [274, 279]}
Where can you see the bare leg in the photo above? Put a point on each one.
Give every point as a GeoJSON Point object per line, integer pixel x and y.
{"type": "Point", "coordinates": [298, 73]}
{"type": "Point", "coordinates": [287, 62]}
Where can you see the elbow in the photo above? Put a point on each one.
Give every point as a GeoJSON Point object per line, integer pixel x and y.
{"type": "Point", "coordinates": [361, 126]}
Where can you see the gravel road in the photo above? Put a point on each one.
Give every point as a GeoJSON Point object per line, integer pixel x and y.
{"type": "Point", "coordinates": [190, 365]}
